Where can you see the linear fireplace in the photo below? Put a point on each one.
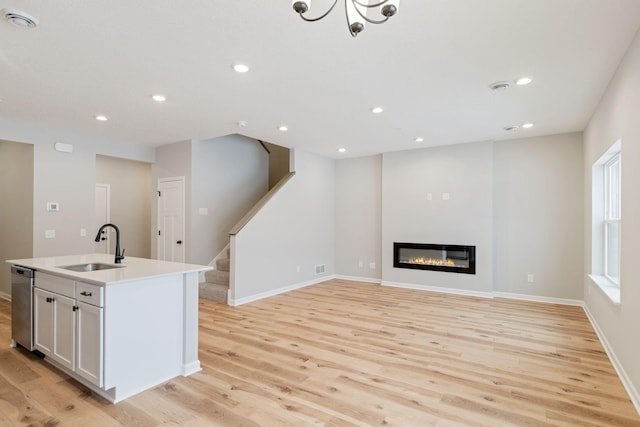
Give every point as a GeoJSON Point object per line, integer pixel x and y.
{"type": "Point", "coordinates": [429, 256]}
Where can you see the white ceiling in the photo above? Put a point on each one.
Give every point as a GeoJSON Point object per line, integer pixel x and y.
{"type": "Point", "coordinates": [429, 67]}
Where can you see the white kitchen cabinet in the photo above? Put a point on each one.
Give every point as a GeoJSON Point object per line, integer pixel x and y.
{"type": "Point", "coordinates": [90, 344]}
{"type": "Point", "coordinates": [43, 322]}
{"type": "Point", "coordinates": [70, 330]}
{"type": "Point", "coordinates": [136, 324]}
{"type": "Point", "coordinates": [54, 327]}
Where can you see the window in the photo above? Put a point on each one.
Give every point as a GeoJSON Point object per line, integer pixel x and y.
{"type": "Point", "coordinates": [612, 219]}
{"type": "Point", "coordinates": [606, 224]}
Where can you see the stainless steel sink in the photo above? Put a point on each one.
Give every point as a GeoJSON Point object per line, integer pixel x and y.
{"type": "Point", "coordinates": [94, 266]}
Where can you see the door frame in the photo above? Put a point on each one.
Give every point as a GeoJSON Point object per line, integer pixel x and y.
{"type": "Point", "coordinates": [181, 180]}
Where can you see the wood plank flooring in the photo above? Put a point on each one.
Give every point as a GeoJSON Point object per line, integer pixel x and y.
{"type": "Point", "coordinates": [353, 354]}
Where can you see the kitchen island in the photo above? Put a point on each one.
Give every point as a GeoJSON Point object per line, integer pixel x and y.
{"type": "Point", "coordinates": [117, 328]}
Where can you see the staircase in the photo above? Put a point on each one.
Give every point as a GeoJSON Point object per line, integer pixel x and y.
{"type": "Point", "coordinates": [216, 284]}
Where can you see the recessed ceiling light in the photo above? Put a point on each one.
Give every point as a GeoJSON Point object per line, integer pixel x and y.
{"type": "Point", "coordinates": [241, 68]}
{"type": "Point", "coordinates": [527, 125]}
{"type": "Point", "coordinates": [101, 118]}
{"type": "Point", "coordinates": [19, 18]}
{"type": "Point", "coordinates": [419, 139]}
{"type": "Point", "coordinates": [159, 98]}
{"type": "Point", "coordinates": [524, 81]}
{"type": "Point", "coordinates": [283, 128]}
{"type": "Point", "coordinates": [377, 110]}
{"type": "Point", "coordinates": [342, 150]}
{"type": "Point", "coordinates": [499, 86]}
{"type": "Point", "coordinates": [242, 123]}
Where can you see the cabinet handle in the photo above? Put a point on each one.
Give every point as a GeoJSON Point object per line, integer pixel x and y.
{"type": "Point", "coordinates": [85, 293]}
{"type": "Point", "coordinates": [49, 299]}
{"type": "Point", "coordinates": [76, 308]}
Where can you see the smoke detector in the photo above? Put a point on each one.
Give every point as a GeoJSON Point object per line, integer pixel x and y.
{"type": "Point", "coordinates": [19, 18]}
{"type": "Point", "coordinates": [499, 86]}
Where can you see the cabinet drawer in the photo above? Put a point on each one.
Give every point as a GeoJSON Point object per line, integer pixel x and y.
{"type": "Point", "coordinates": [58, 285]}
{"type": "Point", "coordinates": [91, 294]}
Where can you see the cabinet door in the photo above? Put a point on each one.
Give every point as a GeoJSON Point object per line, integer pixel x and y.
{"type": "Point", "coordinates": [43, 321]}
{"type": "Point", "coordinates": [64, 331]}
{"type": "Point", "coordinates": [90, 351]}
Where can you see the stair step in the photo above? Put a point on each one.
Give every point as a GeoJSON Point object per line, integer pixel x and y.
{"type": "Point", "coordinates": [223, 264]}
{"type": "Point", "coordinates": [213, 291]}
{"type": "Point", "coordinates": [217, 276]}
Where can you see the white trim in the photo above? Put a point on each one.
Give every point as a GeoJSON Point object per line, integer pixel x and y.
{"type": "Point", "coordinates": [536, 298]}
{"type": "Point", "coordinates": [190, 368]}
{"type": "Point", "coordinates": [182, 182]}
{"type": "Point", "coordinates": [438, 289]}
{"type": "Point", "coordinates": [263, 295]}
{"type": "Point", "coordinates": [609, 289]}
{"type": "Point", "coordinates": [5, 295]}
{"type": "Point", "coordinates": [633, 393]}
{"type": "Point", "coordinates": [359, 279]}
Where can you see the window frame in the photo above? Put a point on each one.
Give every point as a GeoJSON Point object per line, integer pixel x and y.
{"type": "Point", "coordinates": [612, 214]}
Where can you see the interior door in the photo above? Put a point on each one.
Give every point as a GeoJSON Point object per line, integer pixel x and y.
{"type": "Point", "coordinates": [103, 216]}
{"type": "Point", "coordinates": [171, 221]}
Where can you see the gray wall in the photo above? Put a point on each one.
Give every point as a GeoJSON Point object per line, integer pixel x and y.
{"type": "Point", "coordinates": [278, 163]}
{"type": "Point", "coordinates": [295, 229]}
{"type": "Point", "coordinates": [408, 177]}
{"type": "Point", "coordinates": [229, 175]}
{"type": "Point", "coordinates": [617, 118]}
{"type": "Point", "coordinates": [538, 217]}
{"type": "Point", "coordinates": [66, 178]}
{"type": "Point", "coordinates": [358, 230]}
{"type": "Point", "coordinates": [521, 199]}
{"type": "Point", "coordinates": [16, 207]}
{"type": "Point", "coordinates": [131, 194]}
{"type": "Point", "coordinates": [172, 160]}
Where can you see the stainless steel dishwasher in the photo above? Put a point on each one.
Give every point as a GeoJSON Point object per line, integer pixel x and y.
{"type": "Point", "coordinates": [22, 307]}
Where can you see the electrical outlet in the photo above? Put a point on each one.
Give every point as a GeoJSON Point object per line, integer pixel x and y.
{"type": "Point", "coordinates": [530, 278]}
{"type": "Point", "coordinates": [83, 232]}
{"type": "Point", "coordinates": [297, 269]}
{"type": "Point", "coordinates": [360, 264]}
{"type": "Point", "coordinates": [372, 265]}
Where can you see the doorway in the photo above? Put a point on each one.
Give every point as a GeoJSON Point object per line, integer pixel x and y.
{"type": "Point", "coordinates": [171, 220]}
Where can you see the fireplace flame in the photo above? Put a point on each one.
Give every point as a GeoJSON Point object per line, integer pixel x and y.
{"type": "Point", "coordinates": [432, 261]}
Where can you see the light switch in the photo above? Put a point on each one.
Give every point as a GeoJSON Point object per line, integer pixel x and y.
{"type": "Point", "coordinates": [429, 196]}
{"type": "Point", "coordinates": [446, 196]}
{"type": "Point", "coordinates": [49, 234]}
{"type": "Point", "coordinates": [83, 232]}
{"type": "Point", "coordinates": [203, 211]}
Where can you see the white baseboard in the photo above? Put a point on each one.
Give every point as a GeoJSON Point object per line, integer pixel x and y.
{"type": "Point", "coordinates": [358, 279]}
{"type": "Point", "coordinates": [536, 298]}
{"type": "Point", "coordinates": [5, 295]}
{"type": "Point", "coordinates": [634, 395]}
{"type": "Point", "coordinates": [267, 294]}
{"type": "Point", "coordinates": [438, 289]}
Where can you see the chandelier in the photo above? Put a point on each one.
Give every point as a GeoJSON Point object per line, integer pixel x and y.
{"type": "Point", "coordinates": [355, 11]}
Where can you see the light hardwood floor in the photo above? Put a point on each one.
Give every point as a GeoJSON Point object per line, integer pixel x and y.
{"type": "Point", "coordinates": [344, 354]}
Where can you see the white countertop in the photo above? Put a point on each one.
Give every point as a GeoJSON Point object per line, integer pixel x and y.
{"type": "Point", "coordinates": [131, 268]}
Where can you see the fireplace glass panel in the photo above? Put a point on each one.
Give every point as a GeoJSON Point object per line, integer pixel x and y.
{"type": "Point", "coordinates": [451, 258]}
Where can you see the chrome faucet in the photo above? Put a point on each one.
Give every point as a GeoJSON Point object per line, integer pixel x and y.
{"type": "Point", "coordinates": [119, 256]}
